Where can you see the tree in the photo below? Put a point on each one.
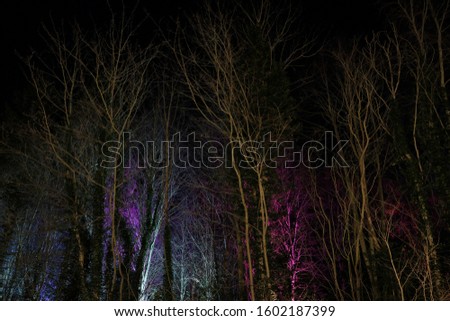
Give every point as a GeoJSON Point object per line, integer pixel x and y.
{"type": "Point", "coordinates": [88, 91]}
{"type": "Point", "coordinates": [243, 100]}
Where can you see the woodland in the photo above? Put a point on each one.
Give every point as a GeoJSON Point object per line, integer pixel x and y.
{"type": "Point", "coordinates": [87, 214]}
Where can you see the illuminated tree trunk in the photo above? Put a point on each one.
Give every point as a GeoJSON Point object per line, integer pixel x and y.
{"type": "Point", "coordinates": [148, 226]}
{"type": "Point", "coordinates": [413, 174]}
{"type": "Point", "coordinates": [264, 237]}
{"type": "Point", "coordinates": [240, 260]}
{"type": "Point", "coordinates": [97, 239]}
{"type": "Point", "coordinates": [248, 251]}
{"type": "Point", "coordinates": [76, 254]}
{"type": "Point", "coordinates": [168, 268]}
{"type": "Point", "coordinates": [7, 224]}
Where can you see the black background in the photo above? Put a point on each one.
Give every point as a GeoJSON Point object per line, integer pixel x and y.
{"type": "Point", "coordinates": [22, 21]}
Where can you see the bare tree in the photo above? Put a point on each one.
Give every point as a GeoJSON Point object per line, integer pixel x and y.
{"type": "Point", "coordinates": [230, 87]}
{"type": "Point", "coordinates": [89, 89]}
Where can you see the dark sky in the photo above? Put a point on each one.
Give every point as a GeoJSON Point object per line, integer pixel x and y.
{"type": "Point", "coordinates": [21, 21]}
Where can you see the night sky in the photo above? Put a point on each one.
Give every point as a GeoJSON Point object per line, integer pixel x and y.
{"type": "Point", "coordinates": [22, 20]}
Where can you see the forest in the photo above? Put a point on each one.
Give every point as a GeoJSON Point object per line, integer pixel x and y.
{"type": "Point", "coordinates": [234, 154]}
